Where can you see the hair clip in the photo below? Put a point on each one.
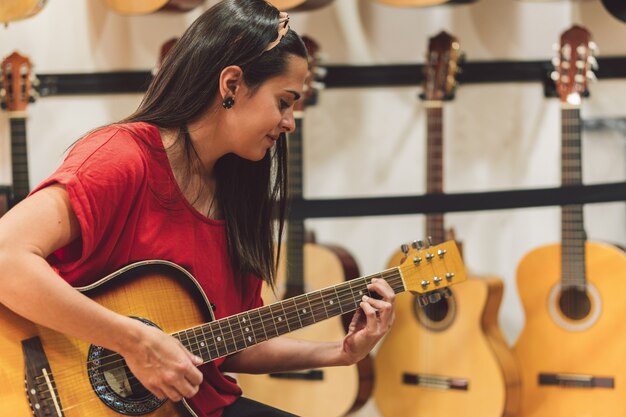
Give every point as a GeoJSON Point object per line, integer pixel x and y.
{"type": "Point", "coordinates": [283, 27]}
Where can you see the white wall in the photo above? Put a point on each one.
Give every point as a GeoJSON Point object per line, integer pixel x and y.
{"type": "Point", "coordinates": [370, 142]}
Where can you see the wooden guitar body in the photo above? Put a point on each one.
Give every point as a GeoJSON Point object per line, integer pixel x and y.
{"type": "Point", "coordinates": [344, 388]}
{"type": "Point", "coordinates": [11, 10]}
{"type": "Point", "coordinates": [550, 343]}
{"type": "Point", "coordinates": [299, 5]}
{"type": "Point", "coordinates": [139, 7]}
{"type": "Point", "coordinates": [138, 294]}
{"type": "Point", "coordinates": [417, 356]}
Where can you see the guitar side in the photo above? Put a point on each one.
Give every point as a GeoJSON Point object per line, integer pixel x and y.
{"type": "Point", "coordinates": [140, 7]}
{"type": "Point", "coordinates": [544, 346]}
{"type": "Point", "coordinates": [411, 350]}
{"type": "Point", "coordinates": [11, 10]}
{"type": "Point", "coordinates": [140, 293]}
{"type": "Point", "coordinates": [343, 388]}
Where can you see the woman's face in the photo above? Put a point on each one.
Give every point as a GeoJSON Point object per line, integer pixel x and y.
{"type": "Point", "coordinates": [258, 117]}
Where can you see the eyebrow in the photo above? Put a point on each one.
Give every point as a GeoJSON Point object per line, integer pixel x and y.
{"type": "Point", "coordinates": [296, 95]}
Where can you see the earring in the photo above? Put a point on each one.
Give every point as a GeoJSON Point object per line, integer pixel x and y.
{"type": "Point", "coordinates": [228, 102]}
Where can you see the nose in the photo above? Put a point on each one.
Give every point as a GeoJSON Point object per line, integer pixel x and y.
{"type": "Point", "coordinates": [288, 123]}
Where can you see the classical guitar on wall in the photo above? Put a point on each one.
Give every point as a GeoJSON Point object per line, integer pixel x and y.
{"type": "Point", "coordinates": [139, 7]}
{"type": "Point", "coordinates": [413, 376]}
{"type": "Point", "coordinates": [67, 377]}
{"type": "Point", "coordinates": [571, 349]}
{"type": "Point", "coordinates": [12, 10]}
{"type": "Point", "coordinates": [17, 92]}
{"type": "Point", "coordinates": [300, 5]}
{"type": "Point", "coordinates": [309, 265]}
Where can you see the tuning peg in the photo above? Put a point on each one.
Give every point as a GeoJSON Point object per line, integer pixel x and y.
{"type": "Point", "coordinates": [418, 244]}
{"type": "Point", "coordinates": [320, 72]}
{"type": "Point", "coordinates": [592, 76]}
{"type": "Point", "coordinates": [556, 47]}
{"type": "Point", "coordinates": [405, 249]}
{"type": "Point", "coordinates": [430, 241]}
{"type": "Point", "coordinates": [445, 292]}
{"type": "Point", "coordinates": [318, 85]}
{"type": "Point", "coordinates": [449, 276]}
{"type": "Point", "coordinates": [594, 47]}
{"type": "Point", "coordinates": [593, 62]}
{"type": "Point", "coordinates": [556, 61]}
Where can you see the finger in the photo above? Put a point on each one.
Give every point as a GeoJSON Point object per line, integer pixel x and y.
{"type": "Point", "coordinates": [382, 288]}
{"type": "Point", "coordinates": [196, 360]}
{"type": "Point", "coordinates": [187, 388]}
{"type": "Point", "coordinates": [172, 393]}
{"type": "Point", "coordinates": [383, 308]}
{"type": "Point", "coordinates": [370, 313]}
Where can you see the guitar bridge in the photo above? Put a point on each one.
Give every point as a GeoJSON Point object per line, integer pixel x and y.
{"type": "Point", "coordinates": [40, 386]}
{"type": "Point", "coordinates": [576, 381]}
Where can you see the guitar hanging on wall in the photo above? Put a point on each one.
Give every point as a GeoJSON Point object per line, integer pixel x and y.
{"type": "Point", "coordinates": [413, 378]}
{"type": "Point", "coordinates": [17, 92]}
{"type": "Point", "coordinates": [12, 10]}
{"type": "Point", "coordinates": [571, 349]}
{"type": "Point", "coordinates": [310, 265]}
{"type": "Point", "coordinates": [300, 5]}
{"type": "Point", "coordinates": [139, 7]}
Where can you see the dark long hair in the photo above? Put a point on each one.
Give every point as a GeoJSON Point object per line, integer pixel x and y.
{"type": "Point", "coordinates": [250, 195]}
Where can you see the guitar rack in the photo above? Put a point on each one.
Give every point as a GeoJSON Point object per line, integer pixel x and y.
{"type": "Point", "coordinates": [348, 76]}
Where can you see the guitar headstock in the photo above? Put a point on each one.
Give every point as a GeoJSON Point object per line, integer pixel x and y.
{"type": "Point", "coordinates": [441, 67]}
{"type": "Point", "coordinates": [573, 65]}
{"type": "Point", "coordinates": [16, 83]}
{"type": "Point", "coordinates": [313, 82]}
{"type": "Point", "coordinates": [428, 271]}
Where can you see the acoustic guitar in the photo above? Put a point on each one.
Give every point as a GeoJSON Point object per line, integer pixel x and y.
{"type": "Point", "coordinates": [139, 7]}
{"type": "Point", "coordinates": [310, 266]}
{"type": "Point", "coordinates": [45, 373]}
{"type": "Point", "coordinates": [419, 371]}
{"type": "Point", "coordinates": [571, 349]}
{"type": "Point", "coordinates": [17, 92]}
{"type": "Point", "coordinates": [12, 10]}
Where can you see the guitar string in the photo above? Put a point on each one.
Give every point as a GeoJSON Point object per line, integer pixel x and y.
{"type": "Point", "coordinates": [346, 294]}
{"type": "Point", "coordinates": [131, 378]}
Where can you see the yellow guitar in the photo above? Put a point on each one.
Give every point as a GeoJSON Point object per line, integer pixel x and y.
{"type": "Point", "coordinates": [571, 350]}
{"type": "Point", "coordinates": [139, 7]}
{"type": "Point", "coordinates": [11, 10]}
{"type": "Point", "coordinates": [419, 369]}
{"type": "Point", "coordinates": [70, 378]}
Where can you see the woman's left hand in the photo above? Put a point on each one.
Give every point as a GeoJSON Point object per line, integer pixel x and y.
{"type": "Point", "coordinates": [371, 322]}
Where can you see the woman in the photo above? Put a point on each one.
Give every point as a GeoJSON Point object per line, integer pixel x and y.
{"type": "Point", "coordinates": [191, 177]}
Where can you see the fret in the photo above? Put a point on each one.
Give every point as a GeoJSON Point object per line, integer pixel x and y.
{"type": "Point", "coordinates": [258, 327]}
{"type": "Point", "coordinates": [292, 313]}
{"type": "Point", "coordinates": [318, 311]}
{"type": "Point", "coordinates": [245, 327]}
{"type": "Point", "coordinates": [239, 341]}
{"type": "Point", "coordinates": [208, 345]}
{"type": "Point", "coordinates": [339, 301]}
{"type": "Point", "coordinates": [304, 309]}
{"type": "Point", "coordinates": [331, 302]}
{"type": "Point", "coordinates": [218, 338]}
{"type": "Point", "coordinates": [266, 316]}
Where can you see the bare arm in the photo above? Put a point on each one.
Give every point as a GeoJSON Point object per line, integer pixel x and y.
{"type": "Point", "coordinates": [30, 232]}
{"type": "Point", "coordinates": [286, 354]}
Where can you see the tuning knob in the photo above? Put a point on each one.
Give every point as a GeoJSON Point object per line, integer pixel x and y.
{"type": "Point", "coordinates": [405, 249]}
{"type": "Point", "coordinates": [434, 297]}
{"type": "Point", "coordinates": [422, 300]}
{"type": "Point", "coordinates": [445, 292]}
{"type": "Point", "coordinates": [592, 76]}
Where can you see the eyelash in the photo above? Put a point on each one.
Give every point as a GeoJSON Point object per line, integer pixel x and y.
{"type": "Point", "coordinates": [283, 105]}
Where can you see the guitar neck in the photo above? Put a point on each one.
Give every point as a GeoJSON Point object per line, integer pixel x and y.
{"type": "Point", "coordinates": [231, 334]}
{"type": "Point", "coordinates": [19, 159]}
{"type": "Point", "coordinates": [295, 228]}
{"type": "Point", "coordinates": [572, 226]}
{"type": "Point", "coordinates": [434, 167]}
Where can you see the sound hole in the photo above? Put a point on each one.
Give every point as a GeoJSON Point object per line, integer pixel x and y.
{"type": "Point", "coordinates": [436, 316]}
{"type": "Point", "coordinates": [574, 303]}
{"type": "Point", "coordinates": [115, 385]}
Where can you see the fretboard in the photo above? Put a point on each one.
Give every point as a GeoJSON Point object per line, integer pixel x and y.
{"type": "Point", "coordinates": [434, 166]}
{"type": "Point", "coordinates": [231, 334]}
{"type": "Point", "coordinates": [572, 227]}
{"type": "Point", "coordinates": [19, 160]}
{"type": "Point", "coordinates": [295, 227]}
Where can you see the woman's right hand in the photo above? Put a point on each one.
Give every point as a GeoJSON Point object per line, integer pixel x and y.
{"type": "Point", "coordinates": [161, 363]}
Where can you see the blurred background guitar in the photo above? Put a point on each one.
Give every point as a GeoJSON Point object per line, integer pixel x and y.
{"type": "Point", "coordinates": [448, 358]}
{"type": "Point", "coordinates": [571, 349]}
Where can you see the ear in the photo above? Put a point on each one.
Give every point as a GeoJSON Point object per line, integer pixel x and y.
{"type": "Point", "coordinates": [231, 79]}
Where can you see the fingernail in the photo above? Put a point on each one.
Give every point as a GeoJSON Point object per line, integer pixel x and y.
{"type": "Point", "coordinates": [365, 298]}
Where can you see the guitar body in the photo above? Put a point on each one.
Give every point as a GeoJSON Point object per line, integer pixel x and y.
{"type": "Point", "coordinates": [11, 10]}
{"type": "Point", "coordinates": [547, 345]}
{"type": "Point", "coordinates": [138, 292]}
{"type": "Point", "coordinates": [139, 7]}
{"type": "Point", "coordinates": [413, 349]}
{"type": "Point", "coordinates": [344, 388]}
